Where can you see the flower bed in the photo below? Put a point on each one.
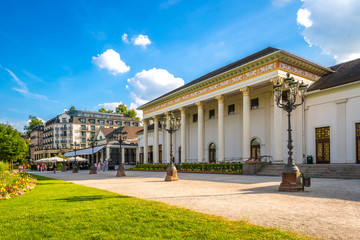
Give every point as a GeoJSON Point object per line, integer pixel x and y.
{"type": "Point", "coordinates": [12, 184]}
{"type": "Point", "coordinates": [223, 168]}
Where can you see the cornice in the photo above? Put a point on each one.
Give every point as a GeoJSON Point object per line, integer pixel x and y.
{"type": "Point", "coordinates": [276, 56]}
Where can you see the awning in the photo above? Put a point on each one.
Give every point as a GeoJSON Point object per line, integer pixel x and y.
{"type": "Point", "coordinates": [86, 151]}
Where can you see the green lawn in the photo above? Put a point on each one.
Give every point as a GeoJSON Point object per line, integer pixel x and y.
{"type": "Point", "coordinates": [60, 210]}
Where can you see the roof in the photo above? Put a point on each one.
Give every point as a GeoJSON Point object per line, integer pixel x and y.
{"type": "Point", "coordinates": [345, 73]}
{"type": "Point", "coordinates": [150, 127]}
{"type": "Point", "coordinates": [131, 132]}
{"type": "Point", "coordinates": [106, 131]}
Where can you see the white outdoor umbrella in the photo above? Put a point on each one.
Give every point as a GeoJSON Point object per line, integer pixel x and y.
{"type": "Point", "coordinates": [41, 160]}
{"type": "Point", "coordinates": [78, 159]}
{"type": "Point", "coordinates": [55, 159]}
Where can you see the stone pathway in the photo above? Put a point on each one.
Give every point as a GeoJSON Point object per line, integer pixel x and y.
{"type": "Point", "coordinates": [329, 209]}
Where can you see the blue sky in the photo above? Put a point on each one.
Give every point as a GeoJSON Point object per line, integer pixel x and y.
{"type": "Point", "coordinates": [90, 54]}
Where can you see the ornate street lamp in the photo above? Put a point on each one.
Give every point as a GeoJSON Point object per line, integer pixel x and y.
{"type": "Point", "coordinates": [290, 89]}
{"type": "Point", "coordinates": [120, 136]}
{"type": "Point", "coordinates": [75, 169]}
{"type": "Point", "coordinates": [171, 173]}
{"type": "Point", "coordinates": [93, 143]}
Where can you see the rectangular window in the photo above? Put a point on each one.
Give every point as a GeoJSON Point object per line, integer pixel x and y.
{"type": "Point", "coordinates": [127, 123]}
{"type": "Point", "coordinates": [83, 145]}
{"type": "Point", "coordinates": [118, 123]}
{"type": "Point", "coordinates": [135, 124]}
{"type": "Point", "coordinates": [83, 127]}
{"type": "Point", "coordinates": [82, 120]}
{"type": "Point", "coordinates": [255, 103]}
{"type": "Point", "coordinates": [212, 114]}
{"type": "Point", "coordinates": [110, 122]}
{"type": "Point", "coordinates": [64, 120]}
{"type": "Point", "coordinates": [101, 122]}
{"type": "Point", "coordinates": [83, 134]}
{"type": "Point", "coordinates": [231, 109]}
{"type": "Point", "coordinates": [195, 117]}
{"type": "Point", "coordinates": [92, 128]}
{"type": "Point", "coordinates": [322, 145]}
{"type": "Point", "coordinates": [91, 121]}
{"type": "Point", "coordinates": [92, 134]}
{"type": "Point", "coordinates": [83, 140]}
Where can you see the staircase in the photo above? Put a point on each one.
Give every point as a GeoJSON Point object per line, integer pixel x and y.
{"type": "Point", "coordinates": [345, 171]}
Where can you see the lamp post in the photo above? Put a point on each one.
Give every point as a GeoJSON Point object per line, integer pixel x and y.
{"type": "Point", "coordinates": [75, 170]}
{"type": "Point", "coordinates": [171, 172]}
{"type": "Point", "coordinates": [120, 136]}
{"type": "Point", "coordinates": [291, 89]}
{"type": "Point", "coordinates": [93, 143]}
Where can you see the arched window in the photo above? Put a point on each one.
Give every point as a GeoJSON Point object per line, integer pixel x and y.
{"type": "Point", "coordinates": [212, 153]}
{"type": "Point", "coordinates": [255, 148]}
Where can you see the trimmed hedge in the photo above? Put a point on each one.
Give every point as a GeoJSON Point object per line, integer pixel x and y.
{"type": "Point", "coordinates": [197, 167]}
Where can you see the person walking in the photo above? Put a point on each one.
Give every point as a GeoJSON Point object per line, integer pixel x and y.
{"type": "Point", "coordinates": [54, 168]}
{"type": "Point", "coordinates": [38, 167]}
{"type": "Point", "coordinates": [45, 168]}
{"type": "Point", "coordinates": [104, 165]}
{"type": "Point", "coordinates": [42, 167]}
{"type": "Point", "coordinates": [24, 167]}
{"type": "Point", "coordinates": [99, 167]}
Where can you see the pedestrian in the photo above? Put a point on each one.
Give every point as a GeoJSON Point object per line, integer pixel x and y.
{"type": "Point", "coordinates": [38, 167]}
{"type": "Point", "coordinates": [104, 165]}
{"type": "Point", "coordinates": [42, 167]}
{"type": "Point", "coordinates": [24, 167]}
{"type": "Point", "coordinates": [54, 168]}
{"type": "Point", "coordinates": [20, 168]}
{"type": "Point", "coordinates": [45, 168]}
{"type": "Point", "coordinates": [99, 167]}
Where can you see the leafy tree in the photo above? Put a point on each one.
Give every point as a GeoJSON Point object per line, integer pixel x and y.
{"type": "Point", "coordinates": [122, 109]}
{"type": "Point", "coordinates": [72, 108]}
{"type": "Point", "coordinates": [103, 110]}
{"type": "Point", "coordinates": [12, 145]}
{"type": "Point", "coordinates": [34, 121]}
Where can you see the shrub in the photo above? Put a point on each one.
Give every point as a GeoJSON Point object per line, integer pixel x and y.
{"type": "Point", "coordinates": [4, 167]}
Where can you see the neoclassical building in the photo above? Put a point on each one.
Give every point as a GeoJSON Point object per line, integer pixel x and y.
{"type": "Point", "coordinates": [229, 114]}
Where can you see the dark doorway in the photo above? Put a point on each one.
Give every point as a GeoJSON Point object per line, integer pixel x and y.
{"type": "Point", "coordinates": [179, 154]}
{"type": "Point", "coordinates": [212, 153]}
{"type": "Point", "coordinates": [255, 149]}
{"type": "Point", "coordinates": [322, 145]}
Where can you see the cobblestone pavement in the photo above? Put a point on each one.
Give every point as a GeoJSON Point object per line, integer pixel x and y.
{"type": "Point", "coordinates": [329, 209]}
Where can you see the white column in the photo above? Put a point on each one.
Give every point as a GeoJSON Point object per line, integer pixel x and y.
{"type": "Point", "coordinates": [183, 134]}
{"type": "Point", "coordinates": [123, 154]}
{"type": "Point", "coordinates": [246, 122]}
{"type": "Point", "coordinates": [201, 132]}
{"type": "Point", "coordinates": [102, 154]}
{"type": "Point", "coordinates": [221, 128]}
{"type": "Point", "coordinates": [156, 139]}
{"type": "Point", "coordinates": [145, 141]}
{"type": "Point", "coordinates": [167, 138]}
{"type": "Point", "coordinates": [107, 153]}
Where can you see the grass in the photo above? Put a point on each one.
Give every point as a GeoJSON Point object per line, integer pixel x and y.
{"type": "Point", "coordinates": [60, 210]}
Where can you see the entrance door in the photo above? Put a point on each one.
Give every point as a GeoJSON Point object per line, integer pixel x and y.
{"type": "Point", "coordinates": [322, 145]}
{"type": "Point", "coordinates": [160, 153]}
{"type": "Point", "coordinates": [255, 149]}
{"type": "Point", "coordinates": [357, 142]}
{"type": "Point", "coordinates": [212, 153]}
{"type": "Point", "coordinates": [179, 154]}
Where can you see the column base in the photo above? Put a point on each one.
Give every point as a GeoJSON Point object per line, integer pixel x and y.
{"type": "Point", "coordinates": [290, 182]}
{"type": "Point", "coordinates": [120, 173]}
{"type": "Point", "coordinates": [171, 173]}
{"type": "Point", "coordinates": [93, 170]}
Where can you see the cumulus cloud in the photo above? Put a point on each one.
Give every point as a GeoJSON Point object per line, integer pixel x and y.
{"type": "Point", "coordinates": [151, 84]}
{"type": "Point", "coordinates": [124, 38]}
{"type": "Point", "coordinates": [111, 61]}
{"type": "Point", "coordinates": [23, 89]}
{"type": "Point", "coordinates": [333, 26]}
{"type": "Point", "coordinates": [109, 106]}
{"type": "Point", "coordinates": [141, 40]}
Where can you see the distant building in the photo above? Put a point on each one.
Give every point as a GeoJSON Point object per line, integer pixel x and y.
{"type": "Point", "coordinates": [60, 133]}
{"type": "Point", "coordinates": [36, 142]}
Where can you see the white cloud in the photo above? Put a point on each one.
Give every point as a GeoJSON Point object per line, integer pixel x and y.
{"type": "Point", "coordinates": [141, 40]}
{"type": "Point", "coordinates": [111, 60]}
{"type": "Point", "coordinates": [124, 38]}
{"type": "Point", "coordinates": [18, 125]}
{"type": "Point", "coordinates": [303, 18]}
{"type": "Point", "coordinates": [334, 27]}
{"type": "Point", "coordinates": [151, 84]}
{"type": "Point", "coordinates": [109, 106]}
{"type": "Point", "coordinates": [23, 89]}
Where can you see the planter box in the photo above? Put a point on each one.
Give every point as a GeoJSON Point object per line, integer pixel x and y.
{"type": "Point", "coordinates": [252, 168]}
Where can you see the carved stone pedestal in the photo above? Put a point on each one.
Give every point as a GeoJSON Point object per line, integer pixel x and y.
{"type": "Point", "coordinates": [120, 172]}
{"type": "Point", "coordinates": [291, 182]}
{"type": "Point", "coordinates": [171, 173]}
{"type": "Point", "coordinates": [93, 170]}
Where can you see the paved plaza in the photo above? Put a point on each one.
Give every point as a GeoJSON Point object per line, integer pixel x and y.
{"type": "Point", "coordinates": [329, 209]}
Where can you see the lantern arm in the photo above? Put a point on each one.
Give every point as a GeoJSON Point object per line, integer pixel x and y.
{"type": "Point", "coordinates": [296, 105]}
{"type": "Point", "coordinates": [279, 104]}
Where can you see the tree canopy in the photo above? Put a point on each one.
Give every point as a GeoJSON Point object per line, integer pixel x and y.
{"type": "Point", "coordinates": [103, 110]}
{"type": "Point", "coordinates": [12, 145]}
{"type": "Point", "coordinates": [34, 121]}
{"type": "Point", "coordinates": [122, 109]}
{"type": "Point", "coordinates": [72, 108]}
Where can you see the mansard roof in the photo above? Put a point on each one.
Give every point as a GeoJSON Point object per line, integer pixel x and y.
{"type": "Point", "coordinates": [344, 73]}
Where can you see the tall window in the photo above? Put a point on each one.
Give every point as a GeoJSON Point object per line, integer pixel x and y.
{"type": "Point", "coordinates": [255, 149]}
{"type": "Point", "coordinates": [101, 122]}
{"type": "Point", "coordinates": [357, 142]}
{"type": "Point", "coordinates": [92, 128]}
{"type": "Point", "coordinates": [212, 153]}
{"type": "Point", "coordinates": [322, 145]}
{"type": "Point", "coordinates": [110, 122]}
{"type": "Point", "coordinates": [212, 114]}
{"type": "Point", "coordinates": [231, 109]}
{"type": "Point", "coordinates": [255, 103]}
{"type": "Point", "coordinates": [195, 117]}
